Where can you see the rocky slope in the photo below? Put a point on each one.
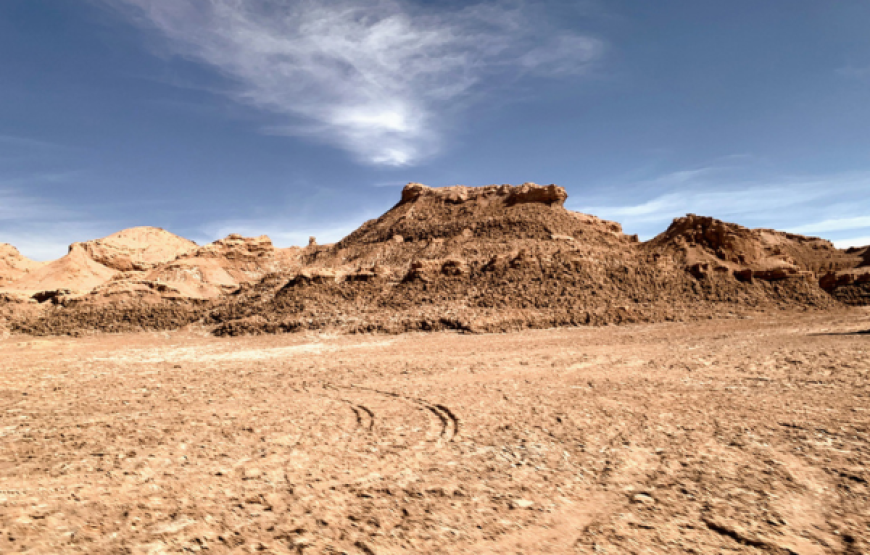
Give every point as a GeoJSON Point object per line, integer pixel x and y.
{"type": "Point", "coordinates": [137, 248]}
{"type": "Point", "coordinates": [850, 285]}
{"type": "Point", "coordinates": [222, 266]}
{"type": "Point", "coordinates": [91, 264]}
{"type": "Point", "coordinates": [477, 259]}
{"type": "Point", "coordinates": [75, 272]}
{"type": "Point", "coordinates": [133, 278]}
{"type": "Point", "coordinates": [707, 245]}
{"type": "Point", "coordinates": [500, 257]}
{"type": "Point", "coordinates": [14, 266]}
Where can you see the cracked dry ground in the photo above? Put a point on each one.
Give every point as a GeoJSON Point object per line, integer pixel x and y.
{"type": "Point", "coordinates": [724, 436]}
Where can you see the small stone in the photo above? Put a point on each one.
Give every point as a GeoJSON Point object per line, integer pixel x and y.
{"type": "Point", "coordinates": [643, 498]}
{"type": "Point", "coordinates": [522, 504]}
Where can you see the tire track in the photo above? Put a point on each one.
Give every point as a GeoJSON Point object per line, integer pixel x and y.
{"type": "Point", "coordinates": [451, 425]}
{"type": "Point", "coordinates": [455, 423]}
{"type": "Point", "coordinates": [365, 417]}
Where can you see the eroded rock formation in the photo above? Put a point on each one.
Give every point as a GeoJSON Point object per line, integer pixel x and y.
{"type": "Point", "coordinates": [476, 259]}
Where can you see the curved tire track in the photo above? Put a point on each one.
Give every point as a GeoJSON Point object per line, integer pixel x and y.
{"type": "Point", "coordinates": [365, 417]}
{"type": "Point", "coordinates": [451, 425]}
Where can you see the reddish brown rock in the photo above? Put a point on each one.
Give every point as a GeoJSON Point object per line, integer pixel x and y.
{"type": "Point", "coordinates": [14, 266]}
{"type": "Point", "coordinates": [137, 248]}
{"type": "Point", "coordinates": [763, 254]}
{"type": "Point", "coordinates": [492, 258]}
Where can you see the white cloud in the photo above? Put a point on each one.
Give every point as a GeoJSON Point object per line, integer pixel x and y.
{"type": "Point", "coordinates": [834, 224]}
{"type": "Point", "coordinates": [852, 242]}
{"type": "Point", "coordinates": [16, 206]}
{"type": "Point", "coordinates": [378, 77]}
{"type": "Point", "coordinates": [835, 202]}
{"type": "Point", "coordinates": [40, 228]}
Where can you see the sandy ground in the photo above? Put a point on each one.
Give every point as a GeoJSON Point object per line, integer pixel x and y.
{"type": "Point", "coordinates": [747, 435]}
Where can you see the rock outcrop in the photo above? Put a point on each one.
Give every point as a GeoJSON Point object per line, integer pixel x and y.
{"type": "Point", "coordinates": [851, 285]}
{"type": "Point", "coordinates": [137, 248]}
{"type": "Point", "coordinates": [481, 259]}
{"type": "Point", "coordinates": [195, 276]}
{"type": "Point", "coordinates": [14, 266]}
{"type": "Point", "coordinates": [91, 264]}
{"type": "Point", "coordinates": [499, 258]}
{"type": "Point", "coordinates": [468, 223]}
{"type": "Point", "coordinates": [76, 271]}
{"type": "Point", "coordinates": [706, 245]}
{"type": "Point", "coordinates": [503, 195]}
{"type": "Point", "coordinates": [220, 267]}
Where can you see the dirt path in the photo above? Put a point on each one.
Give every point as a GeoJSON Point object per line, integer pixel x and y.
{"type": "Point", "coordinates": [727, 436]}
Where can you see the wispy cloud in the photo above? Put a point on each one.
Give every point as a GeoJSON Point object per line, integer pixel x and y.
{"type": "Point", "coordinates": [852, 242]}
{"type": "Point", "coordinates": [40, 228]}
{"type": "Point", "coordinates": [378, 78]}
{"type": "Point", "coordinates": [836, 202]}
{"type": "Point", "coordinates": [834, 224]}
{"type": "Point", "coordinates": [36, 178]}
{"type": "Point", "coordinates": [723, 204]}
{"type": "Point", "coordinates": [18, 206]}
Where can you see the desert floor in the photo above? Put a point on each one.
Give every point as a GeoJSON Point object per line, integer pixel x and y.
{"type": "Point", "coordinates": [749, 435]}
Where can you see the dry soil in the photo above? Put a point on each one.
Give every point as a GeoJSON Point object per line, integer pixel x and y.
{"type": "Point", "coordinates": [728, 436]}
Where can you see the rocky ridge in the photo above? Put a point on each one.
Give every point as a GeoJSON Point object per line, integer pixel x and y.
{"type": "Point", "coordinates": [850, 285]}
{"type": "Point", "coordinates": [704, 245]}
{"type": "Point", "coordinates": [479, 259]}
{"type": "Point", "coordinates": [147, 269]}
{"type": "Point", "coordinates": [137, 248]}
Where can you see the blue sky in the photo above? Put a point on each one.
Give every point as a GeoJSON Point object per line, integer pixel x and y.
{"type": "Point", "coordinates": [298, 118]}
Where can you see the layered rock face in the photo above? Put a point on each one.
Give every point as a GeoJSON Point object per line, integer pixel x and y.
{"type": "Point", "coordinates": [481, 259]}
{"type": "Point", "coordinates": [707, 245]}
{"type": "Point", "coordinates": [503, 195]}
{"type": "Point", "coordinates": [222, 266]}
